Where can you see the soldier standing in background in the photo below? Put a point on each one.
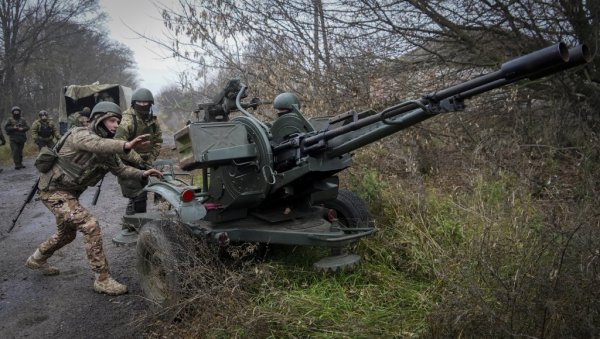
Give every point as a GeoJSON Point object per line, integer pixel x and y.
{"type": "Point", "coordinates": [79, 119]}
{"type": "Point", "coordinates": [44, 131]}
{"type": "Point", "coordinates": [86, 155]}
{"type": "Point", "coordinates": [16, 129]}
{"type": "Point", "coordinates": [138, 120]}
{"type": "Point", "coordinates": [284, 103]}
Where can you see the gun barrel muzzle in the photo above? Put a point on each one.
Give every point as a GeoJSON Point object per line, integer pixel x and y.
{"type": "Point", "coordinates": [578, 55]}
{"type": "Point", "coordinates": [536, 61]}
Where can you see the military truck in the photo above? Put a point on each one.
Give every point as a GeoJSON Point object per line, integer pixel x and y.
{"type": "Point", "coordinates": [74, 98]}
{"type": "Point", "coordinates": [276, 183]}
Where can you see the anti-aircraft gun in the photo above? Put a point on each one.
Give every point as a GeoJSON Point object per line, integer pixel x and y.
{"type": "Point", "coordinates": [277, 183]}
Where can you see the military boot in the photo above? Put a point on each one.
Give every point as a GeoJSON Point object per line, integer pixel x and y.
{"type": "Point", "coordinates": [130, 208]}
{"type": "Point", "coordinates": [105, 284]}
{"type": "Point", "coordinates": [139, 206]}
{"type": "Point", "coordinates": [37, 261]}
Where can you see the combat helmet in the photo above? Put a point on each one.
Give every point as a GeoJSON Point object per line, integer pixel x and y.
{"type": "Point", "coordinates": [285, 101]}
{"type": "Point", "coordinates": [102, 111]}
{"type": "Point", "coordinates": [43, 113]}
{"type": "Point", "coordinates": [15, 108]}
{"type": "Point", "coordinates": [142, 94]}
{"type": "Point", "coordinates": [86, 112]}
{"type": "Point", "coordinates": [104, 107]}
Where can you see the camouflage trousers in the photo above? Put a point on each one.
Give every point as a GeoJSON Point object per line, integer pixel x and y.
{"type": "Point", "coordinates": [70, 218]}
{"type": "Point", "coordinates": [16, 148]}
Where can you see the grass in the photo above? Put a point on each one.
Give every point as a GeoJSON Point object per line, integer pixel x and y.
{"type": "Point", "coordinates": [375, 301]}
{"type": "Point", "coordinates": [468, 248]}
{"type": "Point", "coordinates": [30, 150]}
{"type": "Point", "coordinates": [478, 262]}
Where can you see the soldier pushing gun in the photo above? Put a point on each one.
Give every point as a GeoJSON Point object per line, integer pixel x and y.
{"type": "Point", "coordinates": [85, 155]}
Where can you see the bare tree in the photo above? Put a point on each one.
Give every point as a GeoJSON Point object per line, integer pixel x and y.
{"type": "Point", "coordinates": [313, 47]}
{"type": "Point", "coordinates": [56, 43]}
{"type": "Point", "coordinates": [27, 27]}
{"type": "Point", "coordinates": [280, 45]}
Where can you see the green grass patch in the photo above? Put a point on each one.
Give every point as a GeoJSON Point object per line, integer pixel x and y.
{"type": "Point", "coordinates": [485, 260]}
{"type": "Point", "coordinates": [373, 301]}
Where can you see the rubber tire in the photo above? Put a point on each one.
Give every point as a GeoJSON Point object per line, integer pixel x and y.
{"type": "Point", "coordinates": [162, 248]}
{"type": "Point", "coordinates": [351, 210]}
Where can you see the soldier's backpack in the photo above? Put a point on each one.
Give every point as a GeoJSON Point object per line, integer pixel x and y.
{"type": "Point", "coordinates": [48, 156]}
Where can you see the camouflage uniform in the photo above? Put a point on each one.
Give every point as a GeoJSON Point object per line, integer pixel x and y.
{"type": "Point", "coordinates": [84, 159]}
{"type": "Point", "coordinates": [44, 132]}
{"type": "Point", "coordinates": [133, 125]}
{"type": "Point", "coordinates": [17, 139]}
{"type": "Point", "coordinates": [77, 120]}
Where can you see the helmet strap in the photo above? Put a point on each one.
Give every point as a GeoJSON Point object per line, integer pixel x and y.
{"type": "Point", "coordinates": [102, 131]}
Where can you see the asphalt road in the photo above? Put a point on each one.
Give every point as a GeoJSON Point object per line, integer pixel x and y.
{"type": "Point", "coordinates": [63, 306]}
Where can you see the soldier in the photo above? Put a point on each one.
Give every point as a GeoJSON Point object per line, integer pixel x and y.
{"type": "Point", "coordinates": [103, 96]}
{"type": "Point", "coordinates": [138, 120]}
{"type": "Point", "coordinates": [284, 102]}
{"type": "Point", "coordinates": [86, 155]}
{"type": "Point", "coordinates": [44, 131]}
{"type": "Point", "coordinates": [16, 128]}
{"type": "Point", "coordinates": [79, 118]}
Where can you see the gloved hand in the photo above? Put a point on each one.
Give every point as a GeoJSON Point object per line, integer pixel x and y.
{"type": "Point", "coordinates": [145, 166]}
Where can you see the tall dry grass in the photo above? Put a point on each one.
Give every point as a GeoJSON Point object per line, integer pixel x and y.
{"type": "Point", "coordinates": [487, 227]}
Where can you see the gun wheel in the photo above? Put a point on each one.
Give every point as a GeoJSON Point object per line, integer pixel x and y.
{"type": "Point", "coordinates": [352, 211]}
{"type": "Point", "coordinates": [161, 251]}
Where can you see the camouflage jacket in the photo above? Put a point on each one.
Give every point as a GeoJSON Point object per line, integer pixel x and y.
{"type": "Point", "coordinates": [11, 129]}
{"type": "Point", "coordinates": [83, 160]}
{"type": "Point", "coordinates": [133, 125]}
{"type": "Point", "coordinates": [77, 120]}
{"type": "Point", "coordinates": [44, 130]}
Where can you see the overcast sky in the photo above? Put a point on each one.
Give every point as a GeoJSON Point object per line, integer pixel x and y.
{"type": "Point", "coordinates": [127, 16]}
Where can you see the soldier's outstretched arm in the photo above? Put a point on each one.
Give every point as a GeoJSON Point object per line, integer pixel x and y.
{"type": "Point", "coordinates": [121, 170]}
{"type": "Point", "coordinates": [137, 142]}
{"type": "Point", "coordinates": [93, 143]}
{"type": "Point", "coordinates": [133, 157]}
{"type": "Point", "coordinates": [153, 172]}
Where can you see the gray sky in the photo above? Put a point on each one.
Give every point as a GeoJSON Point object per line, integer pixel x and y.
{"type": "Point", "coordinates": [141, 16]}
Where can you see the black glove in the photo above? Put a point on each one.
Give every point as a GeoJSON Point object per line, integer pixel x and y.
{"type": "Point", "coordinates": [145, 166]}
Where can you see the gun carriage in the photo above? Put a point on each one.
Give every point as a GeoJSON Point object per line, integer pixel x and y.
{"type": "Point", "coordinates": [277, 184]}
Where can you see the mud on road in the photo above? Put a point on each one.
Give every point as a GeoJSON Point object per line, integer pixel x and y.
{"type": "Point", "coordinates": [63, 306]}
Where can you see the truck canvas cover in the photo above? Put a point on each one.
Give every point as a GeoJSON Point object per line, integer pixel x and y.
{"type": "Point", "coordinates": [74, 98]}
